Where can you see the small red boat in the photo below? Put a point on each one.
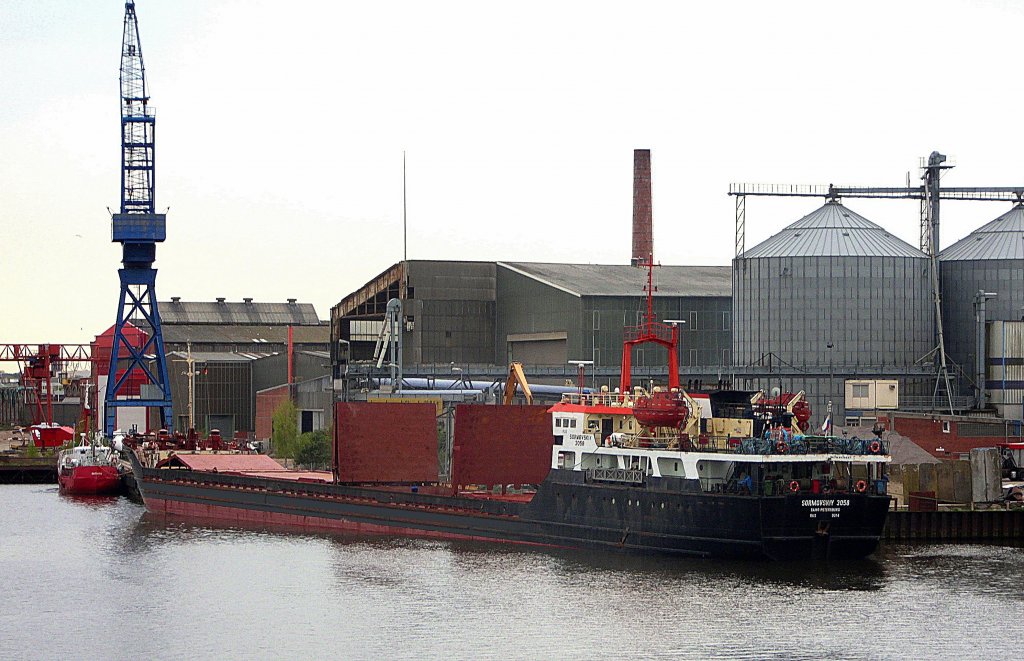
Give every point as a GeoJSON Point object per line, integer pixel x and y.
{"type": "Point", "coordinates": [89, 468]}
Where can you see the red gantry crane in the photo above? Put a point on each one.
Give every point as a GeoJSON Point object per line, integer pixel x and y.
{"type": "Point", "coordinates": [42, 362]}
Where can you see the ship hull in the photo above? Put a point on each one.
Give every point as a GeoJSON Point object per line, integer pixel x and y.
{"type": "Point", "coordinates": [663, 516]}
{"type": "Point", "coordinates": [89, 480]}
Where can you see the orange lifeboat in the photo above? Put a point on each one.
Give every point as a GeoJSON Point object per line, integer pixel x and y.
{"type": "Point", "coordinates": [661, 409]}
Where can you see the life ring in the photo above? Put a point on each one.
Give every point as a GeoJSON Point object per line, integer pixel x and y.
{"type": "Point", "coordinates": [794, 486]}
{"type": "Point", "coordinates": [861, 486]}
{"type": "Point", "coordinates": [781, 447]}
{"type": "Point", "coordinates": [875, 447]}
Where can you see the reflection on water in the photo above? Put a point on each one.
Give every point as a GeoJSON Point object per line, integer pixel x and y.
{"type": "Point", "coordinates": [250, 592]}
{"type": "Point", "coordinates": [92, 501]}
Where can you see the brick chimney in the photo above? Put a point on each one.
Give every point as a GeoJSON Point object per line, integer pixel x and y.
{"type": "Point", "coordinates": [643, 239]}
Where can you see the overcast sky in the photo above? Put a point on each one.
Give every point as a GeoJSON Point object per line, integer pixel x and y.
{"type": "Point", "coordinates": [281, 128]}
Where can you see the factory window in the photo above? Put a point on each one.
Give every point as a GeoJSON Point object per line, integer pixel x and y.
{"type": "Point", "coordinates": [693, 357]}
{"type": "Point", "coordinates": [945, 426]}
{"type": "Point", "coordinates": [597, 320]}
{"type": "Point", "coordinates": [693, 320]}
{"type": "Point", "coordinates": [725, 356]}
{"type": "Point", "coordinates": [860, 390]}
{"type": "Point", "coordinates": [726, 320]}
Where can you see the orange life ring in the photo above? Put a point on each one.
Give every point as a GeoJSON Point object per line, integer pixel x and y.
{"type": "Point", "coordinates": [781, 447]}
{"type": "Point", "coordinates": [794, 486]}
{"type": "Point", "coordinates": [875, 447]}
{"type": "Point", "coordinates": [861, 486]}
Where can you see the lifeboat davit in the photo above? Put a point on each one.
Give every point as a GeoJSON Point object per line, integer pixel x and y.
{"type": "Point", "coordinates": [661, 409]}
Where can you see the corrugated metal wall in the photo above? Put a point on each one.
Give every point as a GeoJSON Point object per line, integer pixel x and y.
{"type": "Point", "coordinates": [453, 312]}
{"type": "Point", "coordinates": [705, 339]}
{"type": "Point", "coordinates": [224, 390]}
{"type": "Point", "coordinates": [526, 306]}
{"type": "Point", "coordinates": [875, 311]}
{"type": "Point", "coordinates": [1006, 367]}
{"type": "Point", "coordinates": [594, 324]}
{"type": "Point", "coordinates": [961, 281]}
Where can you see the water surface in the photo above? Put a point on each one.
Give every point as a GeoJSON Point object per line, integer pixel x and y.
{"type": "Point", "coordinates": [99, 578]}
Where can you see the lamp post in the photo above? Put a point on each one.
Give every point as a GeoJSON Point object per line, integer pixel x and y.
{"type": "Point", "coordinates": [581, 366]}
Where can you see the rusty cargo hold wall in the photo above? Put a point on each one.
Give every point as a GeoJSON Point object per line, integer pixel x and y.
{"type": "Point", "coordinates": [501, 445]}
{"type": "Point", "coordinates": [385, 442]}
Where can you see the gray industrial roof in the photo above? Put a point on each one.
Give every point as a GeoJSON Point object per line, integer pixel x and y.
{"type": "Point", "coordinates": [1003, 238]}
{"type": "Point", "coordinates": [833, 231]}
{"type": "Point", "coordinates": [625, 280]}
{"type": "Point", "coordinates": [235, 334]}
{"type": "Point", "coordinates": [216, 312]}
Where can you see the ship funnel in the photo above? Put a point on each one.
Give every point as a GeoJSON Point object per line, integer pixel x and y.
{"type": "Point", "coordinates": [643, 241]}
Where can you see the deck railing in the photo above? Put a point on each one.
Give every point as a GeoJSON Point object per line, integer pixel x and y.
{"type": "Point", "coordinates": [798, 445]}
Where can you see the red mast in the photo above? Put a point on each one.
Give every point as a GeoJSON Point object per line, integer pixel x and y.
{"type": "Point", "coordinates": [650, 331]}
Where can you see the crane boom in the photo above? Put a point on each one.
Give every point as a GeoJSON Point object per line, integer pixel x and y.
{"type": "Point", "coordinates": [138, 125]}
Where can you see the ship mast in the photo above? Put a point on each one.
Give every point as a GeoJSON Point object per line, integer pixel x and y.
{"type": "Point", "coordinates": [650, 331]}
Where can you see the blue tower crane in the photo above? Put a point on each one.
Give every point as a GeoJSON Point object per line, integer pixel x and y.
{"type": "Point", "coordinates": [138, 228]}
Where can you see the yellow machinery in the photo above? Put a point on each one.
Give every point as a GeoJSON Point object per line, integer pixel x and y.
{"type": "Point", "coordinates": [516, 376]}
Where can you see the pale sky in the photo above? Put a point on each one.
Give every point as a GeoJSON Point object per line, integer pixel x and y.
{"type": "Point", "coordinates": [281, 125]}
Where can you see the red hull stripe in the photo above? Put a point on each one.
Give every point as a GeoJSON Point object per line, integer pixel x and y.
{"type": "Point", "coordinates": [90, 480]}
{"type": "Point", "coordinates": [259, 517]}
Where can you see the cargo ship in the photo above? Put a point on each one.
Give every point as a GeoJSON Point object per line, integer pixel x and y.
{"type": "Point", "coordinates": [725, 474]}
{"type": "Point", "coordinates": [814, 497]}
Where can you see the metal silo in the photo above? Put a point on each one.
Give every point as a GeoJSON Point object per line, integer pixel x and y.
{"type": "Point", "coordinates": [990, 260]}
{"type": "Point", "coordinates": [829, 297]}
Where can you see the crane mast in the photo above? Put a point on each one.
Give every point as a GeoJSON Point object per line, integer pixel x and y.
{"type": "Point", "coordinates": [138, 375]}
{"type": "Point", "coordinates": [137, 124]}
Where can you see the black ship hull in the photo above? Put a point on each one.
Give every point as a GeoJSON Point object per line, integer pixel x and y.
{"type": "Point", "coordinates": [660, 515]}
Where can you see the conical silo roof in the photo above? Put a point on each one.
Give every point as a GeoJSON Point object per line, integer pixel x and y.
{"type": "Point", "coordinates": [833, 231]}
{"type": "Point", "coordinates": [1003, 238]}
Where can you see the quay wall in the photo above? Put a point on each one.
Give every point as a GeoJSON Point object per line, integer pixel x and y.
{"type": "Point", "coordinates": [954, 525]}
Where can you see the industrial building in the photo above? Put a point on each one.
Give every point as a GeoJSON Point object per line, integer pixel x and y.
{"type": "Point", "coordinates": [482, 315]}
{"type": "Point", "coordinates": [237, 349]}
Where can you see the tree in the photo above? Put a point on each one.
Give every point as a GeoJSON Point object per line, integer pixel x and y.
{"type": "Point", "coordinates": [313, 449]}
{"type": "Point", "coordinates": [286, 429]}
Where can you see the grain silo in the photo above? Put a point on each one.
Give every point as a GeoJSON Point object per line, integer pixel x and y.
{"type": "Point", "coordinates": [989, 260]}
{"type": "Point", "coordinates": [829, 297]}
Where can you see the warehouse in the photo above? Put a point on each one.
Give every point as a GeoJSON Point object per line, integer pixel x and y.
{"type": "Point", "coordinates": [479, 316]}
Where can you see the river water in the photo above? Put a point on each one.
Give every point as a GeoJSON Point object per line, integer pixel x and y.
{"type": "Point", "coordinates": [97, 578]}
